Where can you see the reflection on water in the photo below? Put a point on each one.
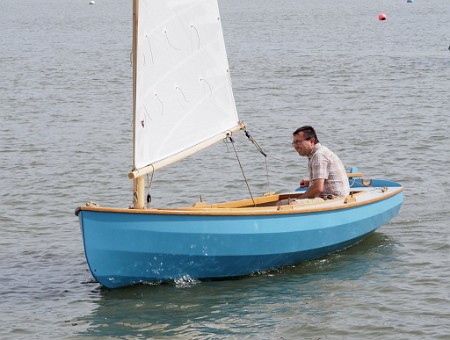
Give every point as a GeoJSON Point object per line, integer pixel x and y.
{"type": "Point", "coordinates": [234, 306]}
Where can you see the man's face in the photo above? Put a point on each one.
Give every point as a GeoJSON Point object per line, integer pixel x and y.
{"type": "Point", "coordinates": [301, 145]}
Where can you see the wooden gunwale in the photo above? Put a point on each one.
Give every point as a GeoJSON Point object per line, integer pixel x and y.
{"type": "Point", "coordinates": [232, 209]}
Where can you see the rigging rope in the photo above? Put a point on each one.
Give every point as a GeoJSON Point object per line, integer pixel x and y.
{"type": "Point", "coordinates": [242, 169]}
{"type": "Point", "coordinates": [149, 184]}
{"type": "Point", "coordinates": [255, 143]}
{"type": "Point", "coordinates": [258, 147]}
{"type": "Point", "coordinates": [261, 151]}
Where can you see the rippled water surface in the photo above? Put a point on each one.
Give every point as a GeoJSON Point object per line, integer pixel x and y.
{"type": "Point", "coordinates": [377, 92]}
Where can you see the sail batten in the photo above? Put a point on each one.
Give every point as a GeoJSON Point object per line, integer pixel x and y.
{"type": "Point", "coordinates": [183, 95]}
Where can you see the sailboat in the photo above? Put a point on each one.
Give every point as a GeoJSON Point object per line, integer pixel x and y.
{"type": "Point", "coordinates": [182, 103]}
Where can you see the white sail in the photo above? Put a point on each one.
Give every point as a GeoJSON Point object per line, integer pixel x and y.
{"type": "Point", "coordinates": [182, 85]}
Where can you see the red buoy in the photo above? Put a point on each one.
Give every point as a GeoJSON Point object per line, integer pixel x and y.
{"type": "Point", "coordinates": [382, 16]}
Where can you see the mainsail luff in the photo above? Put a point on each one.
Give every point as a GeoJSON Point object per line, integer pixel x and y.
{"type": "Point", "coordinates": [134, 55]}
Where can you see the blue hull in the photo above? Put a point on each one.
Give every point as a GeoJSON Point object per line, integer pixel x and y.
{"type": "Point", "coordinates": [125, 248]}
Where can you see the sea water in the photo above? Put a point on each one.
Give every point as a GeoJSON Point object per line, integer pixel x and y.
{"type": "Point", "coordinates": [376, 91]}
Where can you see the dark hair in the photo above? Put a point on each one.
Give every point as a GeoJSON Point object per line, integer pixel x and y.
{"type": "Point", "coordinates": [308, 132]}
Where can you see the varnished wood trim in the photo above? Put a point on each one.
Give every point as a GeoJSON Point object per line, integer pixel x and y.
{"type": "Point", "coordinates": [234, 210]}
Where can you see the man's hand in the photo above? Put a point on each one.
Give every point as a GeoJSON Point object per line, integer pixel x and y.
{"type": "Point", "coordinates": [304, 183]}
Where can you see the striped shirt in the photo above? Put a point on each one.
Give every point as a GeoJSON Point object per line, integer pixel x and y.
{"type": "Point", "coordinates": [323, 163]}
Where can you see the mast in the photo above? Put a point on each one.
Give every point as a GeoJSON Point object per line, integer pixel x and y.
{"type": "Point", "coordinates": [138, 182]}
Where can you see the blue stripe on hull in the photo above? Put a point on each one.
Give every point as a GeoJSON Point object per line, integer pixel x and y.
{"type": "Point", "coordinates": [124, 249]}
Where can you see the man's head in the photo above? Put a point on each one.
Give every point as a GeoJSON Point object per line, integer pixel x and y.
{"type": "Point", "coordinates": [304, 139]}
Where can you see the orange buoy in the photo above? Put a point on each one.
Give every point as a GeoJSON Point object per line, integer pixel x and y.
{"type": "Point", "coordinates": [382, 16]}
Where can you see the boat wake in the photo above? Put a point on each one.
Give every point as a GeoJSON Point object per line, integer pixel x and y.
{"type": "Point", "coordinates": [185, 281]}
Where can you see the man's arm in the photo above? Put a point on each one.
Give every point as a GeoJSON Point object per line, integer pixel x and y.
{"type": "Point", "coordinates": [315, 189]}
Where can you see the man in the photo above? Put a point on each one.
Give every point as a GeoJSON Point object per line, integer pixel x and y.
{"type": "Point", "coordinates": [327, 175]}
